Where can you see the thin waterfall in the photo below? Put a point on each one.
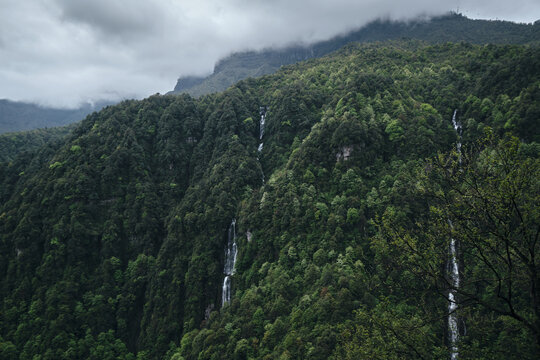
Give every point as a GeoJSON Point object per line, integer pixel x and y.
{"type": "Point", "coordinates": [262, 112]}
{"type": "Point", "coordinates": [230, 261]}
{"type": "Point", "coordinates": [459, 129]}
{"type": "Point", "coordinates": [453, 268]}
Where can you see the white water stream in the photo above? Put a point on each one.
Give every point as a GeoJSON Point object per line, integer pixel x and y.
{"type": "Point", "coordinates": [453, 269]}
{"type": "Point", "coordinates": [262, 112]}
{"type": "Point", "coordinates": [453, 331]}
{"type": "Point", "coordinates": [232, 250]}
{"type": "Point", "coordinates": [230, 261]}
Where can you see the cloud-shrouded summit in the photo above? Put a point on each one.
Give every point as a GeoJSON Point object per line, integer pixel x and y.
{"type": "Point", "coordinates": [64, 52]}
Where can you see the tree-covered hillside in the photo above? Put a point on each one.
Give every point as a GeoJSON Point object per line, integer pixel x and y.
{"type": "Point", "coordinates": [12, 144]}
{"type": "Point", "coordinates": [112, 244]}
{"type": "Point", "coordinates": [448, 28]}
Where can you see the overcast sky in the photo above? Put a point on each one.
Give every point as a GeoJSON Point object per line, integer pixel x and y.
{"type": "Point", "coordinates": [64, 52]}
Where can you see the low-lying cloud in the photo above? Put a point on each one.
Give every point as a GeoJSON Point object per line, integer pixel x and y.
{"type": "Point", "coordinates": [64, 52]}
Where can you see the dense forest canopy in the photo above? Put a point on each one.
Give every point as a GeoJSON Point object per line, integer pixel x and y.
{"type": "Point", "coordinates": [112, 241]}
{"type": "Point", "coordinates": [13, 144]}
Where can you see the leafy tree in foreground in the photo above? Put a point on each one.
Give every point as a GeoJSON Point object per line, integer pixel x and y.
{"type": "Point", "coordinates": [488, 202]}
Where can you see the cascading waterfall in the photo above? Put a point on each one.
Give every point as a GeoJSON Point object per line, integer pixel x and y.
{"type": "Point", "coordinates": [453, 268]}
{"type": "Point", "coordinates": [232, 251]}
{"type": "Point", "coordinates": [459, 130]}
{"type": "Point", "coordinates": [230, 261]}
{"type": "Point", "coordinates": [262, 112]}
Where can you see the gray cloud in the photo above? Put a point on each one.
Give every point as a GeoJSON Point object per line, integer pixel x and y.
{"type": "Point", "coordinates": [121, 18]}
{"type": "Point", "coordinates": [63, 52]}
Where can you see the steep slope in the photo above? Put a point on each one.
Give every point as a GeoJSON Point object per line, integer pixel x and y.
{"type": "Point", "coordinates": [12, 144]}
{"type": "Point", "coordinates": [452, 27]}
{"type": "Point", "coordinates": [112, 244]}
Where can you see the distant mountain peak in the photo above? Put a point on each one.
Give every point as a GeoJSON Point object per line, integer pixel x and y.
{"type": "Point", "coordinates": [451, 27]}
{"type": "Point", "coordinates": [20, 116]}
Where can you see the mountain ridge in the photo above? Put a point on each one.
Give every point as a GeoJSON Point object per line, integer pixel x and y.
{"type": "Point", "coordinates": [20, 116]}
{"type": "Point", "coordinates": [452, 27]}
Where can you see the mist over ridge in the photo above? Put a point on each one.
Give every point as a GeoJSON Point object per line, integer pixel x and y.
{"type": "Point", "coordinates": [451, 27]}
{"type": "Point", "coordinates": [65, 53]}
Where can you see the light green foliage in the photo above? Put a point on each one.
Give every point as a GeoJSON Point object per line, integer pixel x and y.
{"type": "Point", "coordinates": [394, 130]}
{"type": "Point", "coordinates": [55, 165]}
{"type": "Point", "coordinates": [75, 148]}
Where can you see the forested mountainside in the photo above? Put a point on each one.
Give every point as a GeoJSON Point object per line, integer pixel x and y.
{"type": "Point", "coordinates": [448, 28]}
{"type": "Point", "coordinates": [20, 116]}
{"type": "Point", "coordinates": [323, 212]}
{"type": "Point", "coordinates": [12, 144]}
